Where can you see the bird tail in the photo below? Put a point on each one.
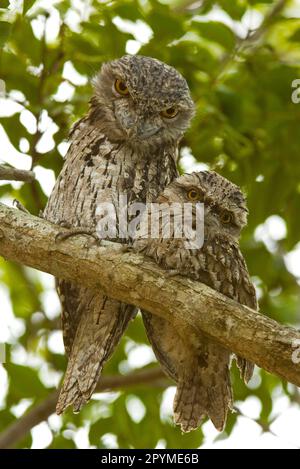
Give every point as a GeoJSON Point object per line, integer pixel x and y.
{"type": "Point", "coordinates": [200, 368]}
{"type": "Point", "coordinates": [204, 392]}
{"type": "Point", "coordinates": [99, 331]}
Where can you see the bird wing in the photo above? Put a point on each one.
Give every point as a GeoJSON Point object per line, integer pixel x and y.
{"type": "Point", "coordinates": [69, 295]}
{"type": "Point", "coordinates": [200, 367]}
{"type": "Point", "coordinates": [92, 324]}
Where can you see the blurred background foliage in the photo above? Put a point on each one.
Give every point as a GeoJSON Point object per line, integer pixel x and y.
{"type": "Point", "coordinates": [240, 59]}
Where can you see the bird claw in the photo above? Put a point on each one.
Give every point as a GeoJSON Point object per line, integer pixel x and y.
{"type": "Point", "coordinates": [63, 235]}
{"type": "Point", "coordinates": [172, 273]}
{"type": "Point", "coordinates": [20, 206]}
{"type": "Point", "coordinates": [65, 224]}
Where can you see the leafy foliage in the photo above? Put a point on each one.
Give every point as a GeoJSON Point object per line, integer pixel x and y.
{"type": "Point", "coordinates": [246, 127]}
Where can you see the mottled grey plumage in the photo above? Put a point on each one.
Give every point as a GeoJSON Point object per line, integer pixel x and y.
{"type": "Point", "coordinates": [123, 145]}
{"type": "Point", "coordinates": [201, 370]}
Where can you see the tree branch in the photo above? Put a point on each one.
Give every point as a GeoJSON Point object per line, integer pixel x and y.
{"type": "Point", "coordinates": [18, 430]}
{"type": "Point", "coordinates": [12, 174]}
{"type": "Point", "coordinates": [133, 279]}
{"type": "Point", "coordinates": [253, 40]}
{"type": "Point", "coordinates": [272, 14]}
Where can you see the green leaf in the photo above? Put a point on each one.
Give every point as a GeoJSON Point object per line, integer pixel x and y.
{"type": "Point", "coordinates": [25, 42]}
{"type": "Point", "coordinates": [60, 442]}
{"type": "Point", "coordinates": [27, 83]}
{"type": "Point", "coordinates": [14, 129]}
{"type": "Point", "coordinates": [27, 4]}
{"type": "Point", "coordinates": [4, 3]}
{"type": "Point", "coordinates": [6, 419]}
{"type": "Point", "coordinates": [24, 442]}
{"type": "Point", "coordinates": [295, 37]}
{"type": "Point", "coordinates": [257, 2]}
{"type": "Point", "coordinates": [5, 29]}
{"type": "Point", "coordinates": [127, 9]}
{"type": "Point", "coordinates": [236, 9]}
{"type": "Point", "coordinates": [217, 32]}
{"type": "Point", "coordinates": [24, 383]}
{"type": "Point", "coordinates": [23, 292]}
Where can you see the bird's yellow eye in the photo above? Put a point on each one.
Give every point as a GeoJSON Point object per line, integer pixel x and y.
{"type": "Point", "coordinates": [226, 217]}
{"type": "Point", "coordinates": [195, 194]}
{"type": "Point", "coordinates": [121, 87]}
{"type": "Point", "coordinates": [169, 113]}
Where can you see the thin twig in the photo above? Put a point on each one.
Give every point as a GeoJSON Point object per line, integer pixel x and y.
{"type": "Point", "coordinates": [7, 173]}
{"type": "Point", "coordinates": [265, 427]}
{"type": "Point", "coordinates": [268, 21]}
{"type": "Point", "coordinates": [251, 40]}
{"type": "Point", "coordinates": [39, 413]}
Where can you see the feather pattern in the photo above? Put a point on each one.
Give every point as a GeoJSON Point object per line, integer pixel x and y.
{"type": "Point", "coordinates": [122, 148]}
{"type": "Point", "coordinates": [97, 171]}
{"type": "Point", "coordinates": [199, 366]}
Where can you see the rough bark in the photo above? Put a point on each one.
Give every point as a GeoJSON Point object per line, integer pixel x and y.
{"type": "Point", "coordinates": [134, 279]}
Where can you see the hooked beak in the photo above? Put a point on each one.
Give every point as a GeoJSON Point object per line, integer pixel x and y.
{"type": "Point", "coordinates": [146, 133]}
{"type": "Point", "coordinates": [141, 130]}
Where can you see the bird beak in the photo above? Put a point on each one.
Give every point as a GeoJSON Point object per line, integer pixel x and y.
{"type": "Point", "coordinates": [146, 133]}
{"type": "Point", "coordinates": [141, 133]}
{"type": "Point", "coordinates": [131, 132]}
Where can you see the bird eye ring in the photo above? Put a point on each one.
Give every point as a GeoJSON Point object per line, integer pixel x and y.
{"type": "Point", "coordinates": [121, 87]}
{"type": "Point", "coordinates": [194, 195]}
{"type": "Point", "coordinates": [169, 113]}
{"type": "Point", "coordinates": [226, 217]}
